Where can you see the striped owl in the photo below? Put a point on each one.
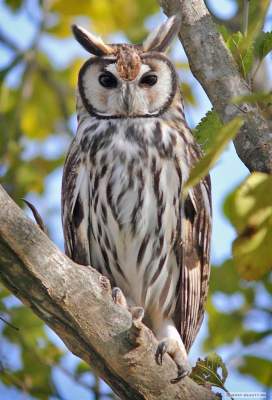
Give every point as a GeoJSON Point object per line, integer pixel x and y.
{"type": "Point", "coordinates": [123, 210]}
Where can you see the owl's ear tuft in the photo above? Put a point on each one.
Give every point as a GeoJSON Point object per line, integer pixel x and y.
{"type": "Point", "coordinates": [161, 38]}
{"type": "Point", "coordinates": [93, 44]}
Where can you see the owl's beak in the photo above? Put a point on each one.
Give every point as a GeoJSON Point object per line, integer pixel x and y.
{"type": "Point", "coordinates": [127, 98]}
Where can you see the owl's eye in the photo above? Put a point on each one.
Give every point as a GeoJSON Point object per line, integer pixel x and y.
{"type": "Point", "coordinates": [108, 80]}
{"type": "Point", "coordinates": [149, 80]}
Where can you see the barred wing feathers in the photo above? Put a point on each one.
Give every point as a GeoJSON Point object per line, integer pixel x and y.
{"type": "Point", "coordinates": [75, 217]}
{"type": "Point", "coordinates": [195, 262]}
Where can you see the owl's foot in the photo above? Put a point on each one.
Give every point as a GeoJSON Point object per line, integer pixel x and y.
{"type": "Point", "coordinates": [170, 342]}
{"type": "Point", "coordinates": [119, 298]}
{"type": "Point", "coordinates": [137, 313]}
{"type": "Point", "coordinates": [173, 348]}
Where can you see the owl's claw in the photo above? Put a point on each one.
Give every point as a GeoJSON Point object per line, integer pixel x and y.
{"type": "Point", "coordinates": [137, 313]}
{"type": "Point", "coordinates": [161, 350]}
{"type": "Point", "coordinates": [171, 347]}
{"type": "Point", "coordinates": [181, 374]}
{"type": "Point", "coordinates": [118, 297]}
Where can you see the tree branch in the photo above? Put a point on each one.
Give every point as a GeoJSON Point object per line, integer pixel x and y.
{"type": "Point", "coordinates": [214, 67]}
{"type": "Point", "coordinates": [75, 301]}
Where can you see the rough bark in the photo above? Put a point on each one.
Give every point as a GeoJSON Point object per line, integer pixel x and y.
{"type": "Point", "coordinates": [75, 301]}
{"type": "Point", "coordinates": [213, 66]}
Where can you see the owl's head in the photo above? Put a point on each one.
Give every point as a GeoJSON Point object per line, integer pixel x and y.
{"type": "Point", "coordinates": [123, 80]}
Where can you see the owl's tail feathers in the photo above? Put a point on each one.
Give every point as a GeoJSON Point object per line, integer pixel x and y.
{"type": "Point", "coordinates": [37, 217]}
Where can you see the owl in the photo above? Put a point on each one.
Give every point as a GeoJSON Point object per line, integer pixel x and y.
{"type": "Point", "coordinates": [123, 208]}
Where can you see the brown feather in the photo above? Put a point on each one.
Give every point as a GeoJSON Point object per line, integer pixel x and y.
{"type": "Point", "coordinates": [195, 262]}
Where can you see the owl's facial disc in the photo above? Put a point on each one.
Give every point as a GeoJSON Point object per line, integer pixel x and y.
{"type": "Point", "coordinates": [106, 94]}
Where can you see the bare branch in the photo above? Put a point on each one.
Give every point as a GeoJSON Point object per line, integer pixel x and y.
{"type": "Point", "coordinates": [214, 67]}
{"type": "Point", "coordinates": [75, 301]}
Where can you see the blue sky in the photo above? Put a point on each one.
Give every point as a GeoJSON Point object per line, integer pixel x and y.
{"type": "Point", "coordinates": [228, 172]}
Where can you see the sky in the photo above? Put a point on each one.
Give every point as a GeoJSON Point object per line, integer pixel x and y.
{"type": "Point", "coordinates": [228, 172]}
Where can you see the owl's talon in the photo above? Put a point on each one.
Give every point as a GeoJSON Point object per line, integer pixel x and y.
{"type": "Point", "coordinates": [181, 374]}
{"type": "Point", "coordinates": [172, 347]}
{"type": "Point", "coordinates": [161, 350]}
{"type": "Point", "coordinates": [118, 297]}
{"type": "Point", "coordinates": [137, 313]}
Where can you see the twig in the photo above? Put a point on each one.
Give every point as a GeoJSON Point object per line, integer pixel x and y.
{"type": "Point", "coordinates": [37, 216]}
{"type": "Point", "coordinates": [245, 17]}
{"type": "Point", "coordinates": [9, 324]}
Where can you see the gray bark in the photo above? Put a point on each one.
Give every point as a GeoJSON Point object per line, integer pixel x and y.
{"type": "Point", "coordinates": [75, 301]}
{"type": "Point", "coordinates": [214, 67]}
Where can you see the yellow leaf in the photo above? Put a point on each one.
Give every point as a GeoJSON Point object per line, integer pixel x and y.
{"type": "Point", "coordinates": [249, 209]}
{"type": "Point", "coordinates": [62, 28]}
{"type": "Point", "coordinates": [49, 94]}
{"type": "Point", "coordinates": [38, 109]}
{"type": "Point", "coordinates": [106, 16]}
{"type": "Point", "coordinates": [74, 70]}
{"type": "Point", "coordinates": [187, 94]}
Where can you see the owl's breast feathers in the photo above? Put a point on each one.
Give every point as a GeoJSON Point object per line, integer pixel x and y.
{"type": "Point", "coordinates": [124, 214]}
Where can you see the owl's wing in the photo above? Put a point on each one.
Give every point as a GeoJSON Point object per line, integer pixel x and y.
{"type": "Point", "coordinates": [195, 261]}
{"type": "Point", "coordinates": [75, 210]}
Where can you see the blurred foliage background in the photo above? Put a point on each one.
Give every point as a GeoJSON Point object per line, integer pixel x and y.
{"type": "Point", "coordinates": [39, 64]}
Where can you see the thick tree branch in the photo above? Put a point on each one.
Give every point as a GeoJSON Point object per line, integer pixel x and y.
{"type": "Point", "coordinates": [75, 301]}
{"type": "Point", "coordinates": [214, 67]}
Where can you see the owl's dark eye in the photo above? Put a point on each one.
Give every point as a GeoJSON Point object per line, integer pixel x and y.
{"type": "Point", "coordinates": [108, 80]}
{"type": "Point", "coordinates": [149, 80]}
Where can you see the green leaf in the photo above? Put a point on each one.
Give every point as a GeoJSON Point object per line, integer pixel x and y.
{"type": "Point", "coordinates": [37, 374]}
{"type": "Point", "coordinates": [251, 337]}
{"type": "Point", "coordinates": [268, 283]}
{"type": "Point", "coordinates": [223, 30]}
{"type": "Point", "coordinates": [223, 328]}
{"type": "Point", "coordinates": [48, 96]}
{"type": "Point", "coordinates": [188, 94]}
{"type": "Point", "coordinates": [14, 4]}
{"type": "Point", "coordinates": [253, 98]}
{"type": "Point", "coordinates": [263, 45]}
{"type": "Point", "coordinates": [182, 65]}
{"type": "Point", "coordinates": [224, 278]}
{"type": "Point", "coordinates": [249, 297]}
{"type": "Point", "coordinates": [257, 13]}
{"type": "Point", "coordinates": [243, 52]}
{"type": "Point", "coordinates": [82, 368]}
{"type": "Point", "coordinates": [24, 319]}
{"type": "Point", "coordinates": [249, 209]}
{"type": "Point", "coordinates": [37, 354]}
{"type": "Point", "coordinates": [31, 174]}
{"type": "Point", "coordinates": [210, 371]}
{"type": "Point", "coordinates": [207, 130]}
{"type": "Point", "coordinates": [201, 169]}
{"type": "Point", "coordinates": [260, 368]}
{"type": "Point", "coordinates": [4, 292]}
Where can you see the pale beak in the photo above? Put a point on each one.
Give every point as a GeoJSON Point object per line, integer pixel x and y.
{"type": "Point", "coordinates": [127, 98]}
